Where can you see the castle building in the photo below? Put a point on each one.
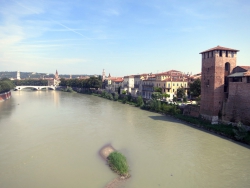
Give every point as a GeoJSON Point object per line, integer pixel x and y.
{"type": "Point", "coordinates": [217, 64]}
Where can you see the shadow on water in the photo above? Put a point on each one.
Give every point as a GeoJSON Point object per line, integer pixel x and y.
{"type": "Point", "coordinates": [172, 119]}
{"type": "Point", "coordinates": [7, 107]}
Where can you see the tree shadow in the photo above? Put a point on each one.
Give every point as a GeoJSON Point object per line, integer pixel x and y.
{"type": "Point", "coordinates": [168, 118]}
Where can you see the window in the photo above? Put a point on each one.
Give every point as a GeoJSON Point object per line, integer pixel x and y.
{"type": "Point", "coordinates": [248, 79]}
{"type": "Point", "coordinates": [168, 90]}
{"type": "Point", "coordinates": [227, 66]}
{"type": "Point", "coordinates": [173, 90]}
{"type": "Point", "coordinates": [220, 53]}
{"type": "Point", "coordinates": [173, 84]}
{"type": "Point", "coordinates": [168, 85]}
{"type": "Point", "coordinates": [177, 84]}
{"type": "Point", "coordinates": [226, 53]}
{"type": "Point", "coordinates": [232, 54]}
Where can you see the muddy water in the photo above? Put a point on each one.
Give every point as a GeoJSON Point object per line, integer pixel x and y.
{"type": "Point", "coordinates": [51, 139]}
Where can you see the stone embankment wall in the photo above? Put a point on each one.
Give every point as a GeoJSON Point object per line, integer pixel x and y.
{"type": "Point", "coordinates": [237, 106]}
{"type": "Point", "coordinates": [5, 96]}
{"type": "Point", "coordinates": [191, 110]}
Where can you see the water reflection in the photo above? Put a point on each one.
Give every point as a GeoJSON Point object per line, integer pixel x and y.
{"type": "Point", "coordinates": [7, 107]}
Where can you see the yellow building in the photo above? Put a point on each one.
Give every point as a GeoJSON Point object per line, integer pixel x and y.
{"type": "Point", "coordinates": [170, 81]}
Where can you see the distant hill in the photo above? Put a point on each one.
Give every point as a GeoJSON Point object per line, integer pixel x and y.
{"type": "Point", "coordinates": [27, 75]}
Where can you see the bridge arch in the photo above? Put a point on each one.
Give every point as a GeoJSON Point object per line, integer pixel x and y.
{"type": "Point", "coordinates": [19, 88]}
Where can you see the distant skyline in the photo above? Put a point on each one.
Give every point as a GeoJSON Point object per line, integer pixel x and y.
{"type": "Point", "coordinates": [124, 37]}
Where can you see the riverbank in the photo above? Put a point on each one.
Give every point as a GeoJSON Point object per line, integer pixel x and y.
{"type": "Point", "coordinates": [4, 96]}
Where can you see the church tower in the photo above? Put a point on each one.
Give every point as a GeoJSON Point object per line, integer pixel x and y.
{"type": "Point", "coordinates": [103, 75]}
{"type": "Point", "coordinates": [56, 76]}
{"type": "Point", "coordinates": [18, 75]}
{"type": "Point", "coordinates": [217, 64]}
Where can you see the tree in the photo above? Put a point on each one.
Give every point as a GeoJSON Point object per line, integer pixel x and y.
{"type": "Point", "coordinates": [195, 88]}
{"type": "Point", "coordinates": [165, 95]}
{"type": "Point", "coordinates": [157, 89]}
{"type": "Point", "coordinates": [139, 101]}
{"type": "Point", "coordinates": [156, 95]}
{"type": "Point", "coordinates": [181, 93]}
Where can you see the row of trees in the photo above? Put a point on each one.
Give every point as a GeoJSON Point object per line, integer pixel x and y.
{"type": "Point", "coordinates": [92, 82]}
{"type": "Point", "coordinates": [30, 82]}
{"type": "Point", "coordinates": [6, 85]}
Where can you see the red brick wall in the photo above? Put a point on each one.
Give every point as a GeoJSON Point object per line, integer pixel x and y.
{"type": "Point", "coordinates": [237, 106]}
{"type": "Point", "coordinates": [5, 96]}
{"type": "Point", "coordinates": [212, 96]}
{"type": "Point", "coordinates": [192, 110]}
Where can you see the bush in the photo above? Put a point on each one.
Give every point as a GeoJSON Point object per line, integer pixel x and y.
{"type": "Point", "coordinates": [139, 101]}
{"type": "Point", "coordinates": [125, 99]}
{"type": "Point", "coordinates": [241, 132]}
{"type": "Point", "coordinates": [115, 96]}
{"type": "Point", "coordinates": [68, 89]}
{"type": "Point", "coordinates": [118, 163]}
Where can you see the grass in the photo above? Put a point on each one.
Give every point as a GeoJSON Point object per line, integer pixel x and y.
{"type": "Point", "coordinates": [222, 129]}
{"type": "Point", "coordinates": [118, 163]}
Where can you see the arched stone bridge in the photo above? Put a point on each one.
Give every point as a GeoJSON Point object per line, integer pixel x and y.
{"type": "Point", "coordinates": [18, 88]}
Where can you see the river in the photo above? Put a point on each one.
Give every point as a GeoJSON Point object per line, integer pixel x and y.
{"type": "Point", "coordinates": [51, 139]}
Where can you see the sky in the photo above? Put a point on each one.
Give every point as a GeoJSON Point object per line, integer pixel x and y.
{"type": "Point", "coordinates": [124, 37]}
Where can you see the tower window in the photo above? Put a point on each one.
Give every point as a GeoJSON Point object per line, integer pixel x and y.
{"type": "Point", "coordinates": [232, 54]}
{"type": "Point", "coordinates": [226, 53]}
{"type": "Point", "coordinates": [227, 66]}
{"type": "Point", "coordinates": [220, 53]}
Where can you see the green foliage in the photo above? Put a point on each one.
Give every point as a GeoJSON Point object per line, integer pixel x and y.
{"type": "Point", "coordinates": [118, 163]}
{"type": "Point", "coordinates": [110, 96]}
{"type": "Point", "coordinates": [68, 89]}
{"type": "Point", "coordinates": [195, 88]}
{"type": "Point", "coordinates": [181, 93]}
{"type": "Point", "coordinates": [158, 89]}
{"type": "Point", "coordinates": [92, 82]}
{"type": "Point", "coordinates": [175, 99]}
{"type": "Point", "coordinates": [156, 95]}
{"type": "Point", "coordinates": [6, 85]}
{"type": "Point", "coordinates": [241, 132]}
{"type": "Point", "coordinates": [116, 96]}
{"type": "Point", "coordinates": [124, 92]}
{"type": "Point", "coordinates": [129, 97]}
{"type": "Point", "coordinates": [139, 101]}
{"type": "Point", "coordinates": [219, 128]}
{"type": "Point", "coordinates": [125, 99]}
{"type": "Point", "coordinates": [165, 95]}
{"type": "Point", "coordinates": [30, 82]}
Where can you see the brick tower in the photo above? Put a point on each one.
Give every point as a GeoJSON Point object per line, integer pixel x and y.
{"type": "Point", "coordinates": [217, 64]}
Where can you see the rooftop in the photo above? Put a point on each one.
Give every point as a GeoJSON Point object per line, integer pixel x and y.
{"type": "Point", "coordinates": [219, 48]}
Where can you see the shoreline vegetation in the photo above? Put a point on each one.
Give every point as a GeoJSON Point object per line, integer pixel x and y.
{"type": "Point", "coordinates": [237, 133]}
{"type": "Point", "coordinates": [117, 163]}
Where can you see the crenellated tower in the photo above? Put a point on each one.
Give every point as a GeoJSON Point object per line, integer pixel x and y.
{"type": "Point", "coordinates": [217, 64]}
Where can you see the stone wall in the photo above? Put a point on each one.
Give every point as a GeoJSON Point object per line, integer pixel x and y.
{"type": "Point", "coordinates": [191, 110]}
{"type": "Point", "coordinates": [5, 96]}
{"type": "Point", "coordinates": [237, 106]}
